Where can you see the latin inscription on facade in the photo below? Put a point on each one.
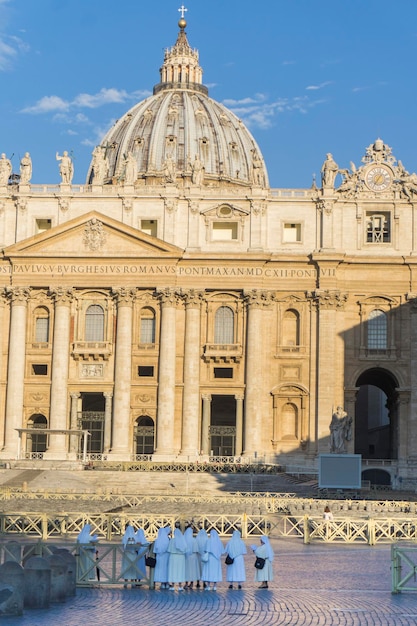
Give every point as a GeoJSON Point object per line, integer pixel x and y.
{"type": "Point", "coordinates": [165, 270]}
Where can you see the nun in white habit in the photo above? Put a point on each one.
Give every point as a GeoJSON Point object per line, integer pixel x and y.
{"type": "Point", "coordinates": [201, 539]}
{"type": "Point", "coordinates": [212, 567]}
{"type": "Point", "coordinates": [87, 560]}
{"type": "Point", "coordinates": [129, 572]}
{"type": "Point", "coordinates": [160, 548]}
{"type": "Point", "coordinates": [192, 561]}
{"type": "Point", "coordinates": [141, 544]}
{"type": "Point", "coordinates": [176, 563]}
{"type": "Point", "coordinates": [235, 549]}
{"type": "Point", "coordinates": [264, 551]}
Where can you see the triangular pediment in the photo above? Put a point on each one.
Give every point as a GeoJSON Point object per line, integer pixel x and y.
{"type": "Point", "coordinates": [92, 235]}
{"type": "Point", "coordinates": [225, 210]}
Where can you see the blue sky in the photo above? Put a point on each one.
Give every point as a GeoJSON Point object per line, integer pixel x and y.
{"type": "Point", "coordinates": [306, 77]}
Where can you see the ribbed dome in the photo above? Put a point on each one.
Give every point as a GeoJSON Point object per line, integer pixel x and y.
{"type": "Point", "coordinates": [180, 134]}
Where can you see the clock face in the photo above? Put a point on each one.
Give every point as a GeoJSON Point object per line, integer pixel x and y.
{"type": "Point", "coordinates": [378, 178]}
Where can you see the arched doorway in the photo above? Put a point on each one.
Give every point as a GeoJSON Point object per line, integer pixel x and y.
{"type": "Point", "coordinates": [144, 434]}
{"type": "Point", "coordinates": [37, 443]}
{"type": "Point", "coordinates": [376, 414]}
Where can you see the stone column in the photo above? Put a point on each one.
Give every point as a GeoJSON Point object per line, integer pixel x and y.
{"type": "Point", "coordinates": [256, 301]}
{"type": "Point", "coordinates": [191, 395]}
{"type": "Point", "coordinates": [166, 379]}
{"type": "Point", "coordinates": [404, 450]}
{"type": "Point", "coordinates": [412, 416]}
{"type": "Point", "coordinates": [329, 392]}
{"type": "Point", "coordinates": [58, 416]}
{"type": "Point", "coordinates": [120, 449]}
{"type": "Point", "coordinates": [108, 396]}
{"type": "Point", "coordinates": [74, 447]}
{"type": "Point", "coordinates": [325, 208]}
{"type": "Point", "coordinates": [239, 425]}
{"type": "Point", "coordinates": [205, 427]}
{"type": "Point", "coordinates": [16, 368]}
{"type": "Point", "coordinates": [4, 313]}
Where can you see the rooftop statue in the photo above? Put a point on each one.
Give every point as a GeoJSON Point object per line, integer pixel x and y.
{"type": "Point", "coordinates": [131, 169]}
{"type": "Point", "coordinates": [99, 165]}
{"type": "Point", "coordinates": [5, 169]}
{"type": "Point", "coordinates": [66, 168]}
{"type": "Point", "coordinates": [329, 172]}
{"type": "Point", "coordinates": [25, 169]}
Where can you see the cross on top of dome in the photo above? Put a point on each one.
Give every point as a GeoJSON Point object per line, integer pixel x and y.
{"type": "Point", "coordinates": [182, 10]}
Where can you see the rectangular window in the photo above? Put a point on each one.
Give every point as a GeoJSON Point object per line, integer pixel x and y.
{"type": "Point", "coordinates": [147, 330]}
{"type": "Point", "coordinates": [146, 370]}
{"type": "Point", "coordinates": [40, 369]}
{"type": "Point", "coordinates": [150, 227]}
{"type": "Point", "coordinates": [42, 330]}
{"type": "Point", "coordinates": [225, 231]}
{"type": "Point", "coordinates": [378, 227]}
{"type": "Point", "coordinates": [42, 225]}
{"type": "Point", "coordinates": [223, 372]}
{"type": "Point", "coordinates": [292, 233]}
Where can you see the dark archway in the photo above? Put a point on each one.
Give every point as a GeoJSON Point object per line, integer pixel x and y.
{"type": "Point", "coordinates": [376, 414]}
{"type": "Point", "coordinates": [377, 476]}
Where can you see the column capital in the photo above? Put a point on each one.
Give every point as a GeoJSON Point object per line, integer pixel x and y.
{"type": "Point", "coordinates": [74, 395]}
{"type": "Point", "coordinates": [206, 397]}
{"type": "Point", "coordinates": [18, 295]}
{"type": "Point", "coordinates": [124, 296]}
{"type": "Point", "coordinates": [108, 395]}
{"type": "Point", "coordinates": [239, 396]}
{"type": "Point", "coordinates": [192, 297]}
{"type": "Point", "coordinates": [328, 298]}
{"type": "Point", "coordinates": [61, 295]}
{"type": "Point", "coordinates": [258, 298]}
{"type": "Point", "coordinates": [168, 295]}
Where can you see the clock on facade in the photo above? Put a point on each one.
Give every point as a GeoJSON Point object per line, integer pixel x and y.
{"type": "Point", "coordinates": [378, 178]}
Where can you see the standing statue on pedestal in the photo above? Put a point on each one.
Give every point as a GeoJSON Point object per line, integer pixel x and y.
{"type": "Point", "coordinates": [340, 431]}
{"type": "Point", "coordinates": [170, 172]}
{"type": "Point", "coordinates": [257, 169]}
{"type": "Point", "coordinates": [25, 169]}
{"type": "Point", "coordinates": [197, 169]}
{"type": "Point", "coordinates": [66, 168]}
{"type": "Point", "coordinates": [100, 165]}
{"type": "Point", "coordinates": [131, 169]}
{"type": "Point", "coordinates": [5, 169]}
{"type": "Point", "coordinates": [329, 172]}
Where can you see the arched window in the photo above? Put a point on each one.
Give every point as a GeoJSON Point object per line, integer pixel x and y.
{"type": "Point", "coordinates": [377, 330]}
{"type": "Point", "coordinates": [147, 326]}
{"type": "Point", "coordinates": [37, 442]}
{"type": "Point", "coordinates": [41, 325]}
{"type": "Point", "coordinates": [94, 323]}
{"type": "Point", "coordinates": [291, 328]}
{"type": "Point", "coordinates": [144, 435]}
{"type": "Point", "coordinates": [224, 325]}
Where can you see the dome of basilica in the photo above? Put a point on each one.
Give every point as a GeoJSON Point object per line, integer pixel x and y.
{"type": "Point", "coordinates": [179, 134]}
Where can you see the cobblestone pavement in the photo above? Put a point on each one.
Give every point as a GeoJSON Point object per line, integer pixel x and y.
{"type": "Point", "coordinates": [319, 584]}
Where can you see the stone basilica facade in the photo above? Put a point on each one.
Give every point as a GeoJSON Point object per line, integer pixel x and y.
{"type": "Point", "coordinates": [175, 307]}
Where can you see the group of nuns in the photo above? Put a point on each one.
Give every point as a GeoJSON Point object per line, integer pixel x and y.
{"type": "Point", "coordinates": [181, 560]}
